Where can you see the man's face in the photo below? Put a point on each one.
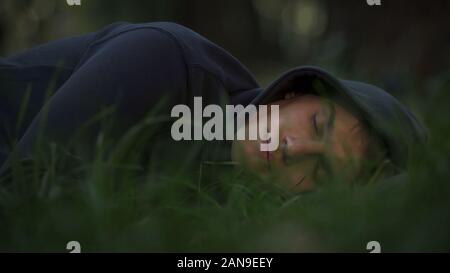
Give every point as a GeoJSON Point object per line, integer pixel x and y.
{"type": "Point", "coordinates": [317, 138]}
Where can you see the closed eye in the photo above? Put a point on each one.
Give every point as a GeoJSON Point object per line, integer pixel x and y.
{"type": "Point", "coordinates": [314, 121]}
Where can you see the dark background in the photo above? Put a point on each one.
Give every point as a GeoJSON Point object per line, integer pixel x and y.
{"type": "Point", "coordinates": [399, 45]}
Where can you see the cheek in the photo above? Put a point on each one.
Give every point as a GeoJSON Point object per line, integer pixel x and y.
{"type": "Point", "coordinates": [296, 178]}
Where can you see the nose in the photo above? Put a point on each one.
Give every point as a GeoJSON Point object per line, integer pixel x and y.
{"type": "Point", "coordinates": [296, 148]}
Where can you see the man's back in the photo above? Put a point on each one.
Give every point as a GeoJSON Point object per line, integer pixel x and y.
{"type": "Point", "coordinates": [131, 66]}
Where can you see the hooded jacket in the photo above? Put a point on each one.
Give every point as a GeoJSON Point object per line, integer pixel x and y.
{"type": "Point", "coordinates": [132, 66]}
{"type": "Point", "coordinates": [142, 67]}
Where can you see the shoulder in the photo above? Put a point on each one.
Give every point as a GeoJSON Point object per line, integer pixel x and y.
{"type": "Point", "coordinates": [195, 48]}
{"type": "Point", "coordinates": [204, 63]}
{"type": "Point", "coordinates": [164, 33]}
{"type": "Point", "coordinates": [145, 44]}
{"type": "Point", "coordinates": [136, 34]}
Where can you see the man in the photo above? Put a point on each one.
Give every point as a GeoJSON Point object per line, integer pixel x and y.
{"type": "Point", "coordinates": [325, 123]}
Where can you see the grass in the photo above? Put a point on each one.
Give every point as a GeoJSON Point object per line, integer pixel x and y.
{"type": "Point", "coordinates": [108, 202]}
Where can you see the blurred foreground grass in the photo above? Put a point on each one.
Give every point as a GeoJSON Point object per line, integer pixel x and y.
{"type": "Point", "coordinates": [109, 205]}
